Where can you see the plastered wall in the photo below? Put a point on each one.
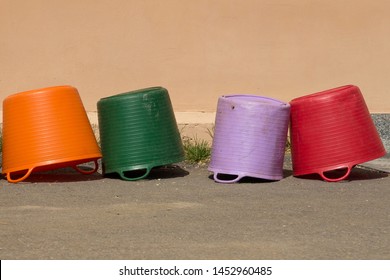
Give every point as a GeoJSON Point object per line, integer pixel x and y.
{"type": "Point", "coordinates": [198, 50]}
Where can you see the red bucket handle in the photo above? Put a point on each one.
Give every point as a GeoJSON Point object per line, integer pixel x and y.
{"type": "Point", "coordinates": [89, 171]}
{"type": "Point", "coordinates": [349, 169]}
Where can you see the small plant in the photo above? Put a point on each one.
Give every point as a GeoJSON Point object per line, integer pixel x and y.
{"type": "Point", "coordinates": [196, 151]}
{"type": "Point", "coordinates": [288, 145]}
{"type": "Point", "coordinates": [210, 131]}
{"type": "Point", "coordinates": [95, 129]}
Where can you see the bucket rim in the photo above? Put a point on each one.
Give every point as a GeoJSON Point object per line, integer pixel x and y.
{"type": "Point", "coordinates": [256, 99]}
{"type": "Point", "coordinates": [347, 164]}
{"type": "Point", "coordinates": [70, 161]}
{"type": "Point", "coordinates": [242, 174]}
{"type": "Point", "coordinates": [324, 93]}
{"type": "Point", "coordinates": [39, 91]}
{"type": "Point", "coordinates": [149, 166]}
{"type": "Point", "coordinates": [133, 93]}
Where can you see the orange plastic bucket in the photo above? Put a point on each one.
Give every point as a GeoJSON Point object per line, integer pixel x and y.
{"type": "Point", "coordinates": [46, 129]}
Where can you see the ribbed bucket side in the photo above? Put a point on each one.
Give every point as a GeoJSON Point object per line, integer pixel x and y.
{"type": "Point", "coordinates": [332, 129]}
{"type": "Point", "coordinates": [45, 129]}
{"type": "Point", "coordinates": [250, 137]}
{"type": "Point", "coordinates": [138, 130]}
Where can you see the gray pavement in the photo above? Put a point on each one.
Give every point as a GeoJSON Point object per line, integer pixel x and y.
{"type": "Point", "coordinates": [181, 213]}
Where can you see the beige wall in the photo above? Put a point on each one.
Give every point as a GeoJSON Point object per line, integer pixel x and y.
{"type": "Point", "coordinates": [197, 49]}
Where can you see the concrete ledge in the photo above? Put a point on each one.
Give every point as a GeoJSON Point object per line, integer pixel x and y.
{"type": "Point", "coordinates": [200, 124]}
{"type": "Point", "coordinates": [192, 125]}
{"type": "Point", "coordinates": [382, 123]}
{"type": "Point", "coordinates": [181, 117]}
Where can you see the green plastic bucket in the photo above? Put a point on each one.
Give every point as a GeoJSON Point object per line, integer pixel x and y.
{"type": "Point", "coordinates": [138, 132]}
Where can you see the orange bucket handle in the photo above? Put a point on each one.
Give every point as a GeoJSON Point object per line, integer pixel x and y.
{"type": "Point", "coordinates": [349, 169]}
{"type": "Point", "coordinates": [89, 171]}
{"type": "Point", "coordinates": [9, 179]}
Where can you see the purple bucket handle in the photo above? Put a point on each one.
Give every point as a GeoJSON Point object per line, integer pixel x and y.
{"type": "Point", "coordinates": [239, 177]}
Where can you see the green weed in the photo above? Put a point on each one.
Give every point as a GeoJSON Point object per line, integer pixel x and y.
{"type": "Point", "coordinates": [196, 151]}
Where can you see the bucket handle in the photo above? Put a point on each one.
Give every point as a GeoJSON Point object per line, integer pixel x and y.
{"type": "Point", "coordinates": [349, 169]}
{"type": "Point", "coordinates": [124, 177]}
{"type": "Point", "coordinates": [9, 179]}
{"type": "Point", "coordinates": [239, 177]}
{"type": "Point", "coordinates": [75, 167]}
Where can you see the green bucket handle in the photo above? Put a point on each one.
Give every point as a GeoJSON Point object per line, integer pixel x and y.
{"type": "Point", "coordinates": [127, 178]}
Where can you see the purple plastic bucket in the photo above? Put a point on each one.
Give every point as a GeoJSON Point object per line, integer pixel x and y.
{"type": "Point", "coordinates": [249, 138]}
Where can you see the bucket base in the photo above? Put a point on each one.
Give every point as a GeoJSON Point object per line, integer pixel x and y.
{"type": "Point", "coordinates": [22, 173]}
{"type": "Point", "coordinates": [136, 172]}
{"type": "Point", "coordinates": [322, 171]}
{"type": "Point", "coordinates": [228, 176]}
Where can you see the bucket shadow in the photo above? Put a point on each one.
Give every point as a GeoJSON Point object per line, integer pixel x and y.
{"type": "Point", "coordinates": [160, 172]}
{"type": "Point", "coordinates": [167, 172]}
{"type": "Point", "coordinates": [357, 174]}
{"type": "Point", "coordinates": [61, 175]}
{"type": "Point", "coordinates": [252, 180]}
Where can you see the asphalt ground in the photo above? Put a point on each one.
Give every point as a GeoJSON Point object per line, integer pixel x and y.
{"type": "Point", "coordinates": [179, 212]}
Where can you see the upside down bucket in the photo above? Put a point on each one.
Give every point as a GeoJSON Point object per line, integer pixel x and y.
{"type": "Point", "coordinates": [138, 132]}
{"type": "Point", "coordinates": [249, 139]}
{"type": "Point", "coordinates": [46, 129]}
{"type": "Point", "coordinates": [332, 130]}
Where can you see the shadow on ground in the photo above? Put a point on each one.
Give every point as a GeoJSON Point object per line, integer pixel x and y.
{"type": "Point", "coordinates": [161, 172]}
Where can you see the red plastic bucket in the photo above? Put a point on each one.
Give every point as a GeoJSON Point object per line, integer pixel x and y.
{"type": "Point", "coordinates": [332, 130]}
